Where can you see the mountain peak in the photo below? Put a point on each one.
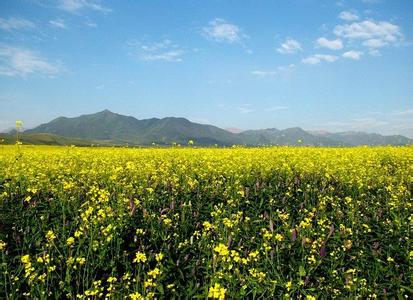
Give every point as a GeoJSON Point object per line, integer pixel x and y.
{"type": "Point", "coordinates": [106, 112]}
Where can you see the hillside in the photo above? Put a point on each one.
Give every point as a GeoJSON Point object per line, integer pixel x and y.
{"type": "Point", "coordinates": [42, 139]}
{"type": "Point", "coordinates": [111, 128]}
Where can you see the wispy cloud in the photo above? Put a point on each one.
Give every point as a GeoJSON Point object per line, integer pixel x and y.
{"type": "Point", "coordinates": [261, 73]}
{"type": "Point", "coordinates": [75, 6]}
{"type": "Point", "coordinates": [220, 30]}
{"type": "Point", "coordinates": [348, 16]}
{"type": "Point", "coordinates": [276, 108]}
{"type": "Point", "coordinates": [371, 1]}
{"type": "Point", "coordinates": [318, 58]}
{"type": "Point", "coordinates": [22, 62]}
{"type": "Point", "coordinates": [336, 44]}
{"type": "Point", "coordinates": [281, 70]}
{"type": "Point", "coordinates": [406, 112]}
{"type": "Point", "coordinates": [58, 23]}
{"type": "Point", "coordinates": [91, 24]}
{"type": "Point", "coordinates": [352, 54]}
{"type": "Point", "coordinates": [12, 23]}
{"type": "Point", "coordinates": [290, 46]}
{"type": "Point", "coordinates": [245, 109]}
{"type": "Point", "coordinates": [164, 50]}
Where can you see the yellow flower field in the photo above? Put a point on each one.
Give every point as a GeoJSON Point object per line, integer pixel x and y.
{"type": "Point", "coordinates": [306, 223]}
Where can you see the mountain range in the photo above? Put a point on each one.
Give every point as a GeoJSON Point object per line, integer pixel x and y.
{"type": "Point", "coordinates": [108, 128]}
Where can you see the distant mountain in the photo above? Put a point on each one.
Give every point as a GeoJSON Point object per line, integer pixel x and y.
{"type": "Point", "coordinates": [118, 129]}
{"type": "Point", "coordinates": [353, 138]}
{"type": "Point", "coordinates": [106, 127]}
{"type": "Point", "coordinates": [289, 136]}
{"type": "Point", "coordinates": [233, 129]}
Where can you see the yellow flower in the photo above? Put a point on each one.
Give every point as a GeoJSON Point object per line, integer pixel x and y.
{"type": "Point", "coordinates": [42, 277]}
{"type": "Point", "coordinates": [279, 237]}
{"type": "Point", "coordinates": [159, 256]}
{"type": "Point", "coordinates": [254, 255]}
{"type": "Point", "coordinates": [217, 292]}
{"type": "Point", "coordinates": [140, 257]}
{"type": "Point", "coordinates": [136, 296]}
{"type": "Point", "coordinates": [19, 124]}
{"type": "Point", "coordinates": [25, 259]}
{"type": "Point", "coordinates": [70, 261]}
{"type": "Point", "coordinates": [50, 236]}
{"type": "Point", "coordinates": [259, 275]}
{"type": "Point", "coordinates": [348, 244]}
{"type": "Point", "coordinates": [149, 283]}
{"type": "Point", "coordinates": [207, 225]}
{"type": "Point", "coordinates": [2, 245]}
{"type": "Point", "coordinates": [154, 273]}
{"type": "Point", "coordinates": [167, 221]}
{"type": "Point", "coordinates": [70, 241]}
{"type": "Point", "coordinates": [221, 249]}
{"type": "Point", "coordinates": [80, 260]}
{"type": "Point", "coordinates": [51, 268]}
{"type": "Point", "coordinates": [288, 285]}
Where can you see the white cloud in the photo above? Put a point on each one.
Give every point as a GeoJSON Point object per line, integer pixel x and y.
{"type": "Point", "coordinates": [220, 30]}
{"type": "Point", "coordinates": [370, 29]}
{"type": "Point", "coordinates": [355, 55]}
{"type": "Point", "coordinates": [281, 70]}
{"type": "Point", "coordinates": [276, 108]}
{"type": "Point", "coordinates": [58, 23]}
{"type": "Point", "coordinates": [15, 23]}
{"type": "Point", "coordinates": [22, 62]}
{"type": "Point", "coordinates": [318, 58]}
{"type": "Point", "coordinates": [371, 1]}
{"type": "Point", "coordinates": [164, 50]}
{"type": "Point", "coordinates": [91, 24]}
{"type": "Point", "coordinates": [261, 73]}
{"type": "Point", "coordinates": [245, 109]}
{"type": "Point", "coordinates": [368, 123]}
{"type": "Point", "coordinates": [375, 43]}
{"type": "Point", "coordinates": [371, 34]}
{"type": "Point", "coordinates": [74, 6]}
{"type": "Point", "coordinates": [406, 112]}
{"type": "Point", "coordinates": [336, 44]}
{"type": "Point", "coordinates": [348, 16]}
{"type": "Point", "coordinates": [374, 52]}
{"type": "Point", "coordinates": [172, 56]}
{"type": "Point", "coordinates": [290, 46]}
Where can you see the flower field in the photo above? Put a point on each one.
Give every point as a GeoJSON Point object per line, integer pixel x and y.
{"type": "Point", "coordinates": [306, 223]}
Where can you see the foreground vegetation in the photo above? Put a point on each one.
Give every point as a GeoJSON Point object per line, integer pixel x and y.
{"type": "Point", "coordinates": [219, 223]}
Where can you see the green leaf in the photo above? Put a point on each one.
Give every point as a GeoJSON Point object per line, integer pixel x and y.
{"type": "Point", "coordinates": [301, 271]}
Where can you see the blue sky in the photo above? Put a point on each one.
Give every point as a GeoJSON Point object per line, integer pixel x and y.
{"type": "Point", "coordinates": [318, 64]}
